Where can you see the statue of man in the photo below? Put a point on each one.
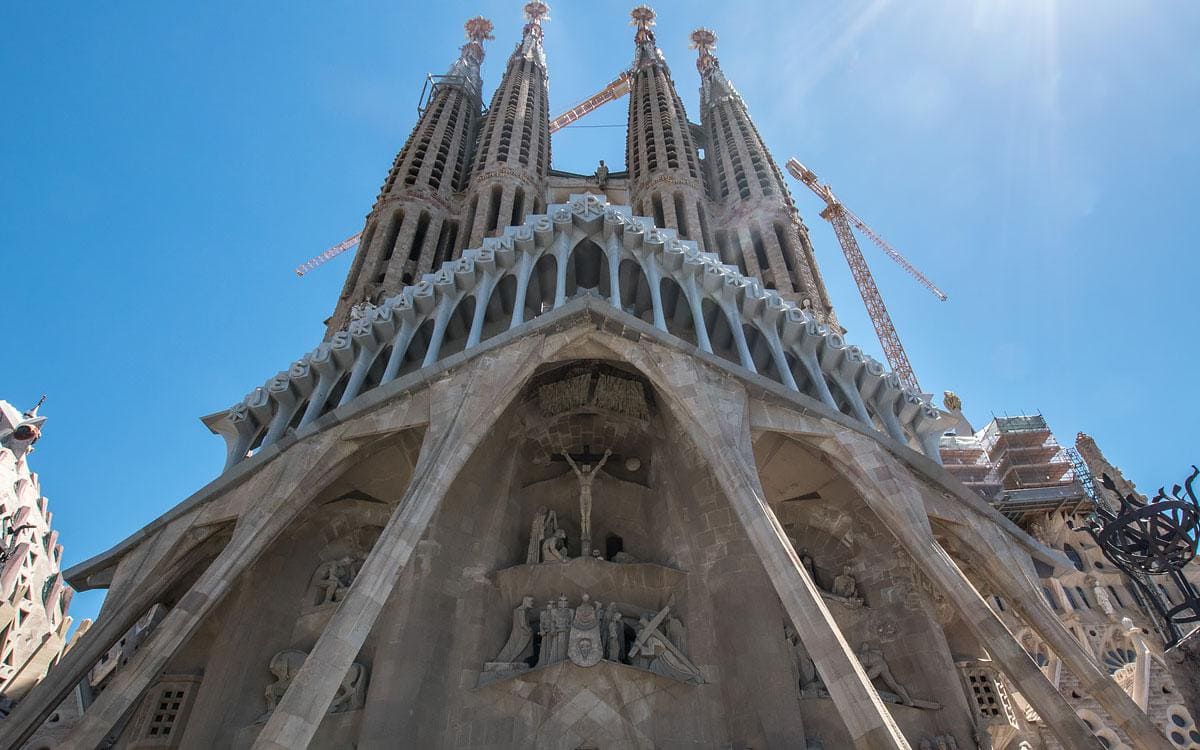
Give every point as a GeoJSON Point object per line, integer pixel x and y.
{"type": "Point", "coordinates": [554, 549]}
{"type": "Point", "coordinates": [563, 615]}
{"type": "Point", "coordinates": [586, 475]}
{"type": "Point", "coordinates": [546, 628]}
{"type": "Point", "coordinates": [602, 175]}
{"type": "Point", "coordinates": [520, 638]}
{"type": "Point", "coordinates": [614, 641]}
{"type": "Point", "coordinates": [844, 585]}
{"type": "Point", "coordinates": [875, 666]}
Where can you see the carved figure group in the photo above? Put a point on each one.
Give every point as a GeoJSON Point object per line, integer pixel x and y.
{"type": "Point", "coordinates": [286, 664]}
{"type": "Point", "coordinates": [545, 525]}
{"type": "Point", "coordinates": [332, 579]}
{"type": "Point", "coordinates": [590, 633]}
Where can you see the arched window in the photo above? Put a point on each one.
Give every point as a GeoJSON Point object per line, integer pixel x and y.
{"type": "Point", "coordinates": [1083, 597]}
{"type": "Point", "coordinates": [1050, 598]}
{"type": "Point", "coordinates": [1076, 560]}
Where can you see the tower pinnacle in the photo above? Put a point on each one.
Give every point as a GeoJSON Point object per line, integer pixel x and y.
{"type": "Point", "coordinates": [531, 34]}
{"type": "Point", "coordinates": [647, 52]}
{"type": "Point", "coordinates": [703, 41]}
{"type": "Point", "coordinates": [467, 66]}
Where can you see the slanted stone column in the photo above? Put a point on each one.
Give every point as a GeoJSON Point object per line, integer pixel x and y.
{"type": "Point", "coordinates": [878, 477]}
{"type": "Point", "coordinates": [717, 420]}
{"type": "Point", "coordinates": [305, 470]}
{"type": "Point", "coordinates": [463, 411]}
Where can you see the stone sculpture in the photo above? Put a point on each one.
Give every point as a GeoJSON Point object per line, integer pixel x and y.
{"type": "Point", "coordinates": [615, 637]}
{"type": "Point", "coordinates": [286, 664]}
{"type": "Point", "coordinates": [602, 175]}
{"type": "Point", "coordinates": [807, 561]}
{"type": "Point", "coordinates": [333, 578]}
{"type": "Point", "coordinates": [654, 651]}
{"type": "Point", "coordinates": [554, 548]}
{"type": "Point", "coordinates": [563, 615]}
{"type": "Point", "coordinates": [586, 475]}
{"type": "Point", "coordinates": [876, 667]}
{"type": "Point", "coordinates": [585, 647]}
{"type": "Point", "coordinates": [546, 629]}
{"type": "Point", "coordinates": [845, 586]}
{"type": "Point", "coordinates": [545, 524]}
{"type": "Point", "coordinates": [810, 678]}
{"type": "Point", "coordinates": [520, 638]}
{"type": "Point", "coordinates": [351, 693]}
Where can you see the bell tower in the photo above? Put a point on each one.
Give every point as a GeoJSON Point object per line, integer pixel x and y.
{"type": "Point", "coordinates": [413, 227]}
{"type": "Point", "coordinates": [665, 177]}
{"type": "Point", "coordinates": [514, 146]}
{"type": "Point", "coordinates": [769, 239]}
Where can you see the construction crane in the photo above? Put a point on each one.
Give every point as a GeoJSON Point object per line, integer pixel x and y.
{"type": "Point", "coordinates": [615, 90]}
{"type": "Point", "coordinates": [842, 218]}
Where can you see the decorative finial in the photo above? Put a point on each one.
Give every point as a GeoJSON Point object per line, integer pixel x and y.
{"type": "Point", "coordinates": [703, 41]}
{"type": "Point", "coordinates": [952, 401]}
{"type": "Point", "coordinates": [643, 17]}
{"type": "Point", "coordinates": [478, 29]}
{"type": "Point", "coordinates": [536, 12]}
{"type": "Point", "coordinates": [30, 413]}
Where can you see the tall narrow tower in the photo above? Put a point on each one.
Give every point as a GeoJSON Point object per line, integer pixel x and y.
{"type": "Point", "coordinates": [411, 227]}
{"type": "Point", "coordinates": [514, 146]}
{"type": "Point", "coordinates": [665, 178]}
{"type": "Point", "coordinates": [768, 239]}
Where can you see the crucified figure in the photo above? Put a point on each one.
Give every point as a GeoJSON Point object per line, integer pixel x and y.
{"type": "Point", "coordinates": [586, 474]}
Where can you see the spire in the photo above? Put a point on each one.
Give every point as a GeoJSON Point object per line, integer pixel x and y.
{"type": "Point", "coordinates": [470, 58]}
{"type": "Point", "coordinates": [741, 173]}
{"type": "Point", "coordinates": [646, 51]}
{"type": "Point", "coordinates": [530, 46]}
{"type": "Point", "coordinates": [411, 229]}
{"type": "Point", "coordinates": [513, 155]}
{"type": "Point", "coordinates": [665, 176]}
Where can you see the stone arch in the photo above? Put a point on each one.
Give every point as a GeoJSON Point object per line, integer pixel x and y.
{"type": "Point", "coordinates": [500, 306]}
{"type": "Point", "coordinates": [543, 279]}
{"type": "Point", "coordinates": [635, 290]}
{"type": "Point", "coordinates": [720, 334]}
{"type": "Point", "coordinates": [677, 311]}
{"type": "Point", "coordinates": [587, 268]}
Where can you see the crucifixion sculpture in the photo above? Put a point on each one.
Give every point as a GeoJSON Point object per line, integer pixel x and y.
{"type": "Point", "coordinates": [585, 472]}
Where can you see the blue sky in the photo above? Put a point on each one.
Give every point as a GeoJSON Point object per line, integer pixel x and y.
{"type": "Point", "coordinates": [166, 165]}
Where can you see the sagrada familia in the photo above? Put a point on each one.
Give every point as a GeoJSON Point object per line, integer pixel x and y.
{"type": "Point", "coordinates": [586, 462]}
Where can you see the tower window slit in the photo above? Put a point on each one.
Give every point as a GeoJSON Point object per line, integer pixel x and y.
{"type": "Point", "coordinates": [518, 207]}
{"type": "Point", "coordinates": [418, 240]}
{"type": "Point", "coordinates": [660, 219]}
{"type": "Point", "coordinates": [785, 246]}
{"type": "Point", "coordinates": [681, 216]}
{"type": "Point", "coordinates": [494, 209]}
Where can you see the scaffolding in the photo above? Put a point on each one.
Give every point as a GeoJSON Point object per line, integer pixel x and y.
{"type": "Point", "coordinates": [1018, 466]}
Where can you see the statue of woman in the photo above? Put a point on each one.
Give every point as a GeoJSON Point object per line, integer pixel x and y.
{"type": "Point", "coordinates": [520, 638]}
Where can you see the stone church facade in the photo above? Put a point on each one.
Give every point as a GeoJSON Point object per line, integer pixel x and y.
{"type": "Point", "coordinates": [584, 461]}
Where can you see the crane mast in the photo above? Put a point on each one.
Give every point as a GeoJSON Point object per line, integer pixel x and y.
{"type": "Point", "coordinates": [842, 218]}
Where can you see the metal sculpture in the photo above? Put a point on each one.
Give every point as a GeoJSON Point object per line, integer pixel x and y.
{"type": "Point", "coordinates": [1155, 538]}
